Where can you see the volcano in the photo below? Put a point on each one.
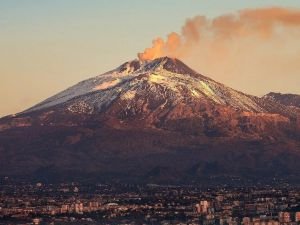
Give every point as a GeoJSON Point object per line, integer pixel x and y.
{"type": "Point", "coordinates": [154, 121]}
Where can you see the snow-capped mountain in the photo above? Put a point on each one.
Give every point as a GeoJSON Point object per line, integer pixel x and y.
{"type": "Point", "coordinates": [168, 81]}
{"type": "Point", "coordinates": [100, 83]}
{"type": "Point", "coordinates": [155, 121]}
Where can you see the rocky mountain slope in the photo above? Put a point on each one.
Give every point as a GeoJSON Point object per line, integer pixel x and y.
{"type": "Point", "coordinates": [284, 99]}
{"type": "Point", "coordinates": [156, 121]}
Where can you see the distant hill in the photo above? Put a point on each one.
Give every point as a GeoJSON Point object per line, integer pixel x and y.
{"type": "Point", "coordinates": [285, 99]}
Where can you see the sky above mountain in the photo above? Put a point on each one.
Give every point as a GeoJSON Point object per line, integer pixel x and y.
{"type": "Point", "coordinates": [47, 46]}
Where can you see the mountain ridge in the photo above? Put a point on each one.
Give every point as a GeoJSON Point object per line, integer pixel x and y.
{"type": "Point", "coordinates": [155, 121]}
{"type": "Point", "coordinates": [285, 99]}
{"type": "Point", "coordinates": [132, 69]}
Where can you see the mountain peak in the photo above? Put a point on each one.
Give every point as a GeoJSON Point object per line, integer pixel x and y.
{"type": "Point", "coordinates": [146, 86]}
{"type": "Point", "coordinates": [122, 78]}
{"type": "Point", "coordinates": [173, 65]}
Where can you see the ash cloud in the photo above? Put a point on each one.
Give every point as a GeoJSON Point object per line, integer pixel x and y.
{"type": "Point", "coordinates": [238, 48]}
{"type": "Point", "coordinates": [260, 23]}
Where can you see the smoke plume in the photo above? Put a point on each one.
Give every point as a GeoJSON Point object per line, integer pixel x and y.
{"type": "Point", "coordinates": [260, 23]}
{"type": "Point", "coordinates": [250, 43]}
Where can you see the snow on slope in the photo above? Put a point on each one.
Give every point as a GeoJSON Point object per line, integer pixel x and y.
{"type": "Point", "coordinates": [127, 81]}
{"type": "Point", "coordinates": [98, 83]}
